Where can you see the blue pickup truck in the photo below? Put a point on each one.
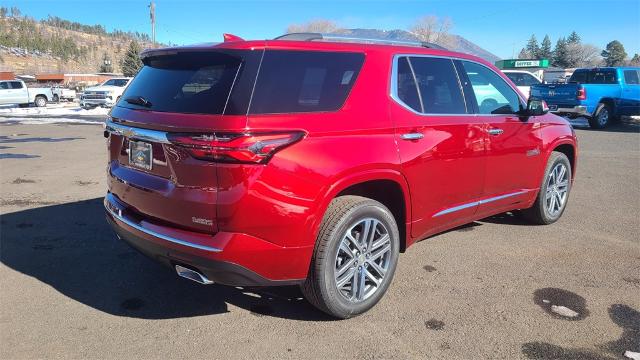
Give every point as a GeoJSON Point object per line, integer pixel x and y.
{"type": "Point", "coordinates": [600, 94]}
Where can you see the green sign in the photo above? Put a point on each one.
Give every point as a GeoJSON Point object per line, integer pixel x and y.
{"type": "Point", "coordinates": [522, 63]}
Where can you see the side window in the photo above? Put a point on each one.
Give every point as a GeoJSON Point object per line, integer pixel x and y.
{"type": "Point", "coordinates": [16, 85]}
{"type": "Point", "coordinates": [631, 77]}
{"type": "Point", "coordinates": [579, 77]}
{"type": "Point", "coordinates": [602, 77]}
{"type": "Point", "coordinates": [438, 85]}
{"type": "Point", "coordinates": [4, 85]}
{"type": "Point", "coordinates": [304, 81]}
{"type": "Point", "coordinates": [407, 90]}
{"type": "Point", "coordinates": [493, 95]}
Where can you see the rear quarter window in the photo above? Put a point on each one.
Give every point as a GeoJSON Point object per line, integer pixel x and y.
{"type": "Point", "coordinates": [631, 77]}
{"type": "Point", "coordinates": [304, 81]}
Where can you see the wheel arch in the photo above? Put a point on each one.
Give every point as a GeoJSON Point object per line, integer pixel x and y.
{"type": "Point", "coordinates": [609, 102]}
{"type": "Point", "coordinates": [386, 186]}
{"type": "Point", "coordinates": [569, 150]}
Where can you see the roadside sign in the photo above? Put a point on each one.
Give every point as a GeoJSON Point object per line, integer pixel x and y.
{"type": "Point", "coordinates": [522, 63]}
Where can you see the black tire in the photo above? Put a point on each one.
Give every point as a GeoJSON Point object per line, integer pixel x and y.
{"type": "Point", "coordinates": [539, 213]}
{"type": "Point", "coordinates": [56, 98]}
{"type": "Point", "coordinates": [320, 287]}
{"type": "Point", "coordinates": [602, 117]}
{"type": "Point", "coordinates": [40, 101]}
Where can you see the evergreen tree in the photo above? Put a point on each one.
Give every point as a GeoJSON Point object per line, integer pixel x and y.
{"type": "Point", "coordinates": [532, 47]}
{"type": "Point", "coordinates": [573, 38]}
{"type": "Point", "coordinates": [560, 54]}
{"type": "Point", "coordinates": [131, 62]}
{"type": "Point", "coordinates": [635, 60]}
{"type": "Point", "coordinates": [524, 54]}
{"type": "Point", "coordinates": [545, 49]}
{"type": "Point", "coordinates": [614, 54]}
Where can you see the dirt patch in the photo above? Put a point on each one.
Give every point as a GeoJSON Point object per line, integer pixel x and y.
{"type": "Point", "coordinates": [25, 202]}
{"type": "Point", "coordinates": [434, 324]}
{"type": "Point", "coordinates": [23, 181]}
{"type": "Point", "coordinates": [85, 183]}
{"type": "Point", "coordinates": [429, 268]}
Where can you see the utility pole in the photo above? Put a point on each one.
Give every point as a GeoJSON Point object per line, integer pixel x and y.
{"type": "Point", "coordinates": [152, 14]}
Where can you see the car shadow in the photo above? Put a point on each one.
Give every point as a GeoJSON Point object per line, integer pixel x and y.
{"type": "Point", "coordinates": [71, 248]}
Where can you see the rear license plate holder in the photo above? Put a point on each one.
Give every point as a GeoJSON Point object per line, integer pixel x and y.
{"type": "Point", "coordinates": [140, 154]}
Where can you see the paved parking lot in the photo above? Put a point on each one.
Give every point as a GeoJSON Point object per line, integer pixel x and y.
{"type": "Point", "coordinates": [493, 289]}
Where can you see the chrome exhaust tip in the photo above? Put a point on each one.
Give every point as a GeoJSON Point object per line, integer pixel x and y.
{"type": "Point", "coordinates": [192, 275]}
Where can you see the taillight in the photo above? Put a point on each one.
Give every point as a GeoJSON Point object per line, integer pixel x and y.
{"type": "Point", "coordinates": [235, 147]}
{"type": "Point", "coordinates": [581, 94]}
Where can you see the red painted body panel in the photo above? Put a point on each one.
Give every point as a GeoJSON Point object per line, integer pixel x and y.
{"type": "Point", "coordinates": [266, 216]}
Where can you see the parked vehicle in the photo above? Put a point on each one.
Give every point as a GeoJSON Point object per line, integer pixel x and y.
{"type": "Point", "coordinates": [105, 94]}
{"type": "Point", "coordinates": [601, 94]}
{"type": "Point", "coordinates": [16, 92]}
{"type": "Point", "coordinates": [60, 93]}
{"type": "Point", "coordinates": [293, 161]}
{"type": "Point", "coordinates": [523, 80]}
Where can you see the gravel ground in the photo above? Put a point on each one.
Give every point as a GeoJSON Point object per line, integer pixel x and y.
{"type": "Point", "coordinates": [496, 288]}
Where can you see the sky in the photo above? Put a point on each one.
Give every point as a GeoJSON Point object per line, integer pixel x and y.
{"type": "Point", "coordinates": [499, 26]}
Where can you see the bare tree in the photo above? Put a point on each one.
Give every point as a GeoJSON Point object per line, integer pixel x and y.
{"type": "Point", "coordinates": [582, 55]}
{"type": "Point", "coordinates": [315, 26]}
{"type": "Point", "coordinates": [435, 30]}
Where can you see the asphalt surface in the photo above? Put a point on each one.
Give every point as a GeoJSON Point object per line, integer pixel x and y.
{"type": "Point", "coordinates": [496, 288]}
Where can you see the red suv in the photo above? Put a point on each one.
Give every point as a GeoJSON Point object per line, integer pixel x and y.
{"type": "Point", "coordinates": [316, 160]}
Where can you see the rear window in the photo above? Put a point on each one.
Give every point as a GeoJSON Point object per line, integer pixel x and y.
{"type": "Point", "coordinates": [304, 81]}
{"type": "Point", "coordinates": [631, 77]}
{"type": "Point", "coordinates": [595, 76]}
{"type": "Point", "coordinates": [191, 82]}
{"type": "Point", "coordinates": [522, 79]}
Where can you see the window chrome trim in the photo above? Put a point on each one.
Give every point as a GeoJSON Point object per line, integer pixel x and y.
{"type": "Point", "coordinates": [136, 133]}
{"type": "Point", "coordinates": [393, 91]}
{"type": "Point", "coordinates": [118, 216]}
{"type": "Point", "coordinates": [476, 203]}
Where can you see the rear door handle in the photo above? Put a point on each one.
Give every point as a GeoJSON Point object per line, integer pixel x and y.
{"type": "Point", "coordinates": [495, 132]}
{"type": "Point", "coordinates": [412, 136]}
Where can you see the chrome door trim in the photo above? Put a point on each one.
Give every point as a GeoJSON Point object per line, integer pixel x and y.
{"type": "Point", "coordinates": [137, 133]}
{"type": "Point", "coordinates": [118, 216]}
{"type": "Point", "coordinates": [475, 203]}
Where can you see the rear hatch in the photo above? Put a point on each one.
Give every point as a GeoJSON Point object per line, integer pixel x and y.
{"type": "Point", "coordinates": [162, 166]}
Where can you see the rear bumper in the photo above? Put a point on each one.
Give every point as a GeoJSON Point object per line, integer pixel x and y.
{"type": "Point", "coordinates": [226, 258]}
{"type": "Point", "coordinates": [576, 110]}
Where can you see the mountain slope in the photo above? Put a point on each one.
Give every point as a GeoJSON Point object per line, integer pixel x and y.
{"type": "Point", "coordinates": [461, 44]}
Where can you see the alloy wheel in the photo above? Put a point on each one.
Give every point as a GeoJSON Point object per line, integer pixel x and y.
{"type": "Point", "coordinates": [362, 260]}
{"type": "Point", "coordinates": [557, 190]}
{"type": "Point", "coordinates": [603, 116]}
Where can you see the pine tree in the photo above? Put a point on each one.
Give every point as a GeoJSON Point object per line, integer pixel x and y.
{"type": "Point", "coordinates": [131, 62]}
{"type": "Point", "coordinates": [614, 54]}
{"type": "Point", "coordinates": [524, 54]}
{"type": "Point", "coordinates": [573, 38]}
{"type": "Point", "coordinates": [635, 60]}
{"type": "Point", "coordinates": [545, 49]}
{"type": "Point", "coordinates": [560, 54]}
{"type": "Point", "coordinates": [532, 47]}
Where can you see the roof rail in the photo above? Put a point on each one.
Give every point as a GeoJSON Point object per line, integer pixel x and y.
{"type": "Point", "coordinates": [345, 38]}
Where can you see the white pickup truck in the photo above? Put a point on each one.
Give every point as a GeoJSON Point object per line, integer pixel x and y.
{"type": "Point", "coordinates": [105, 94]}
{"type": "Point", "coordinates": [16, 92]}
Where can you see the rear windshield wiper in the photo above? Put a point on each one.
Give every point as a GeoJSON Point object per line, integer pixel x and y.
{"type": "Point", "coordinates": [138, 100]}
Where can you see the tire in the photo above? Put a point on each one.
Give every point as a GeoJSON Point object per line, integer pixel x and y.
{"type": "Point", "coordinates": [40, 101]}
{"type": "Point", "coordinates": [543, 212]}
{"type": "Point", "coordinates": [602, 118]}
{"type": "Point", "coordinates": [334, 252]}
{"type": "Point", "coordinates": [56, 98]}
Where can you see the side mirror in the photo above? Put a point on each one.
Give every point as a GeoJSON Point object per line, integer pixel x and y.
{"type": "Point", "coordinates": [536, 107]}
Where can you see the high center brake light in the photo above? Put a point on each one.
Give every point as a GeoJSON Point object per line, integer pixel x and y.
{"type": "Point", "coordinates": [235, 147]}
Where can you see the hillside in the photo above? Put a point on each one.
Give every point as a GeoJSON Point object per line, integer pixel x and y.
{"type": "Point", "coordinates": [54, 45]}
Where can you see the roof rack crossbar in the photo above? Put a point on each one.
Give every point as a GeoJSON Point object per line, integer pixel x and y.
{"type": "Point", "coordinates": [345, 38]}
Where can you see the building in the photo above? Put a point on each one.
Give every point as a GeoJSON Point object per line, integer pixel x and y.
{"type": "Point", "coordinates": [74, 79]}
{"type": "Point", "coordinates": [7, 75]}
{"type": "Point", "coordinates": [535, 66]}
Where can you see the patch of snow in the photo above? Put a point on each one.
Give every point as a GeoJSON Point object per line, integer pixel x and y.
{"type": "Point", "coordinates": [564, 311]}
{"type": "Point", "coordinates": [46, 120]}
{"type": "Point", "coordinates": [53, 110]}
{"type": "Point", "coordinates": [632, 355]}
